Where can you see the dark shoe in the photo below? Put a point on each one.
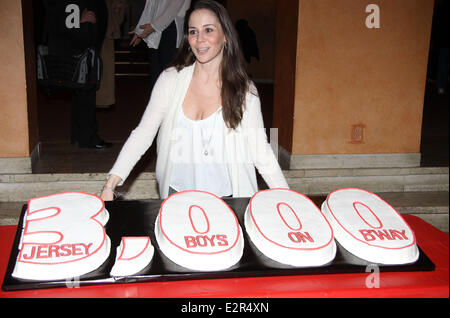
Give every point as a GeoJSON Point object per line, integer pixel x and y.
{"type": "Point", "coordinates": [73, 141]}
{"type": "Point", "coordinates": [99, 145]}
{"type": "Point", "coordinates": [103, 144]}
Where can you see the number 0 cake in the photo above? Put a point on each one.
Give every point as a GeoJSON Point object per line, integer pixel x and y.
{"type": "Point", "coordinates": [199, 231]}
{"type": "Point", "coordinates": [369, 228]}
{"type": "Point", "coordinates": [289, 228]}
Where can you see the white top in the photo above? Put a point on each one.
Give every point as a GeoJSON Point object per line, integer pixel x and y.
{"type": "Point", "coordinates": [198, 157]}
{"type": "Point", "coordinates": [160, 14]}
{"type": "Point", "coordinates": [246, 147]}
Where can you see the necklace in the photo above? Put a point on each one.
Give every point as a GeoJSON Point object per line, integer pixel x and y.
{"type": "Point", "coordinates": [205, 151]}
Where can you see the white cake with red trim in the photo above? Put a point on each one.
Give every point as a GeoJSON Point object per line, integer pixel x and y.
{"type": "Point", "coordinates": [133, 255]}
{"type": "Point", "coordinates": [63, 236]}
{"type": "Point", "coordinates": [370, 228]}
{"type": "Point", "coordinates": [199, 231]}
{"type": "Point", "coordinates": [289, 228]}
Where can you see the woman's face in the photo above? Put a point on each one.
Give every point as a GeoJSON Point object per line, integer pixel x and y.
{"type": "Point", "coordinates": [206, 36]}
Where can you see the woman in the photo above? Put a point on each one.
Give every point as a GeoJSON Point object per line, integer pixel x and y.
{"type": "Point", "coordinates": [211, 133]}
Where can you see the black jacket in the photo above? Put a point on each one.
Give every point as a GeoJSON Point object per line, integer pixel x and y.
{"type": "Point", "coordinates": [62, 40]}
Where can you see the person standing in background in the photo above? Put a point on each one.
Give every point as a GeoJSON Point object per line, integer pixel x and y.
{"type": "Point", "coordinates": [161, 27]}
{"type": "Point", "coordinates": [70, 41]}
{"type": "Point", "coordinates": [116, 13]}
{"type": "Point", "coordinates": [443, 40]}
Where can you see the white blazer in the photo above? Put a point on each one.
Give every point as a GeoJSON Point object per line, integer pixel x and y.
{"type": "Point", "coordinates": [246, 146]}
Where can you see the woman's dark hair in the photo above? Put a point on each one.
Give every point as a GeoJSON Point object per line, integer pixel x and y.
{"type": "Point", "coordinates": [233, 74]}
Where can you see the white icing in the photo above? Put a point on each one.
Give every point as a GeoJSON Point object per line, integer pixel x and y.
{"type": "Point", "coordinates": [197, 230]}
{"type": "Point", "coordinates": [133, 255]}
{"type": "Point", "coordinates": [368, 227]}
{"type": "Point", "coordinates": [288, 228]}
{"type": "Point", "coordinates": [63, 236]}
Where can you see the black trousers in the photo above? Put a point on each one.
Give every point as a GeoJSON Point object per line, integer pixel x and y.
{"type": "Point", "coordinates": [161, 57]}
{"type": "Point", "coordinates": [83, 118]}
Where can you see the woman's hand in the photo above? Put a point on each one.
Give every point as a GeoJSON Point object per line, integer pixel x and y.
{"type": "Point", "coordinates": [148, 29]}
{"type": "Point", "coordinates": [135, 40]}
{"type": "Point", "coordinates": [107, 195]}
{"type": "Point", "coordinates": [108, 192]}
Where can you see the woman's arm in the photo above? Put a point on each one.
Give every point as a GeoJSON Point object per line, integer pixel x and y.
{"type": "Point", "coordinates": [141, 138]}
{"type": "Point", "coordinates": [260, 150]}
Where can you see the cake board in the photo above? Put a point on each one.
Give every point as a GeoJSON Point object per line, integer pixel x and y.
{"type": "Point", "coordinates": [137, 218]}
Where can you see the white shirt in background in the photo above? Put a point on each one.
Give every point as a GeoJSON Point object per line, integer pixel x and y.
{"type": "Point", "coordinates": [160, 14]}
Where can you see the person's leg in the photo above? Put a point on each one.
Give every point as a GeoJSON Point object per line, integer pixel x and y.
{"type": "Point", "coordinates": [160, 58]}
{"type": "Point", "coordinates": [86, 120]}
{"type": "Point", "coordinates": [167, 46]}
{"type": "Point", "coordinates": [442, 70]}
{"type": "Point", "coordinates": [74, 118]}
{"type": "Point", "coordinates": [106, 93]}
{"type": "Point", "coordinates": [153, 62]}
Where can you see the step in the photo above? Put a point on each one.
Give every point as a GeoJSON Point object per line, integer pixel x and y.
{"type": "Point", "coordinates": [131, 62]}
{"type": "Point", "coordinates": [131, 68]}
{"type": "Point", "coordinates": [432, 207]}
{"type": "Point", "coordinates": [323, 181]}
{"type": "Point", "coordinates": [21, 187]}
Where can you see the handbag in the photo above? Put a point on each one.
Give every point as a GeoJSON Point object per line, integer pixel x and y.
{"type": "Point", "coordinates": [81, 71]}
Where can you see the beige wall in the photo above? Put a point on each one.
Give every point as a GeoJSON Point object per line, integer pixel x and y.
{"type": "Point", "coordinates": [14, 139]}
{"type": "Point", "coordinates": [347, 74]}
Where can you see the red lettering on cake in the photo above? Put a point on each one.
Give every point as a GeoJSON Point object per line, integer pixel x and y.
{"type": "Point", "coordinates": [367, 236]}
{"type": "Point", "coordinates": [76, 250]}
{"type": "Point", "coordinates": [65, 248]}
{"type": "Point", "coordinates": [400, 235]}
{"type": "Point", "coordinates": [205, 240]}
{"type": "Point", "coordinates": [299, 237]}
{"type": "Point", "coordinates": [205, 217]}
{"type": "Point", "coordinates": [86, 247]}
{"type": "Point", "coordinates": [48, 240]}
{"type": "Point", "coordinates": [201, 241]}
{"type": "Point", "coordinates": [30, 256]}
{"type": "Point", "coordinates": [210, 239]}
{"type": "Point", "coordinates": [41, 251]}
{"type": "Point", "coordinates": [381, 235]}
{"type": "Point", "coordinates": [190, 241]}
{"type": "Point", "coordinates": [294, 227]}
{"type": "Point", "coordinates": [364, 211]}
{"type": "Point", "coordinates": [55, 251]}
{"type": "Point", "coordinates": [222, 238]}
